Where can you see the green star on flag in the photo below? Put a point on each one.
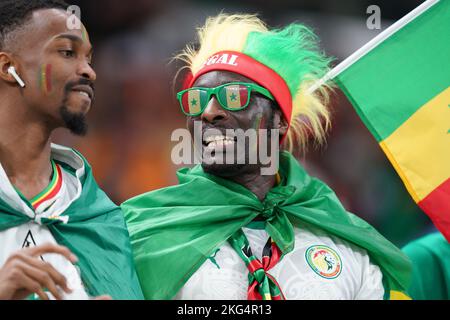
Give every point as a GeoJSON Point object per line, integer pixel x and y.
{"type": "Point", "coordinates": [195, 101]}
{"type": "Point", "coordinates": [233, 97]}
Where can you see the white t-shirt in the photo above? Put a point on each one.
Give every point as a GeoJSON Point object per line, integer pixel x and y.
{"type": "Point", "coordinates": [33, 233]}
{"type": "Point", "coordinates": [321, 267]}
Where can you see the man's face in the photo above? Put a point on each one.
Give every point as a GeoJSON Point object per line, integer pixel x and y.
{"type": "Point", "coordinates": [55, 65]}
{"type": "Point", "coordinates": [259, 114]}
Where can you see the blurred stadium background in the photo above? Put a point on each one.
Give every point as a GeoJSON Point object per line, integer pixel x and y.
{"type": "Point", "coordinates": [135, 111]}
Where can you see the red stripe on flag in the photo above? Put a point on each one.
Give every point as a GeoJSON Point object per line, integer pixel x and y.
{"type": "Point", "coordinates": [185, 101]}
{"type": "Point", "coordinates": [55, 190]}
{"type": "Point", "coordinates": [252, 292]}
{"type": "Point", "coordinates": [254, 265]}
{"type": "Point", "coordinates": [437, 206]}
{"type": "Point", "coordinates": [243, 94]}
{"type": "Point", "coordinates": [275, 257]}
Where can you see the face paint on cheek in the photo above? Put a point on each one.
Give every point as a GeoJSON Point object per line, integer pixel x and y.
{"type": "Point", "coordinates": [45, 78]}
{"type": "Point", "coordinates": [257, 125]}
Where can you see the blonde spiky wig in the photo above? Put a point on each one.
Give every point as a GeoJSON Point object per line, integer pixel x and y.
{"type": "Point", "coordinates": [290, 55]}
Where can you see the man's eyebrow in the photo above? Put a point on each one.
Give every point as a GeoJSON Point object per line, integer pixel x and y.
{"type": "Point", "coordinates": [73, 38]}
{"type": "Point", "coordinates": [69, 36]}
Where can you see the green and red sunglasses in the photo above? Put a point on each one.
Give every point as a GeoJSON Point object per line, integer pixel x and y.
{"type": "Point", "coordinates": [233, 96]}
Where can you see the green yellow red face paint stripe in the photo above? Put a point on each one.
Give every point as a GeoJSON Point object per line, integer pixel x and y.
{"type": "Point", "coordinates": [52, 190]}
{"type": "Point", "coordinates": [45, 78]}
{"type": "Point", "coordinates": [257, 126]}
{"type": "Point", "coordinates": [84, 34]}
{"type": "Point", "coordinates": [401, 91]}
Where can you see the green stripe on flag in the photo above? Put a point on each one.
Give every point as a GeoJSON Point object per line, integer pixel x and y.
{"type": "Point", "coordinates": [392, 81]}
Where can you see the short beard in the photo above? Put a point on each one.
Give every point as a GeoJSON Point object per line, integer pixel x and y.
{"type": "Point", "coordinates": [237, 168]}
{"type": "Point", "coordinates": [228, 171]}
{"type": "Point", "coordinates": [75, 122]}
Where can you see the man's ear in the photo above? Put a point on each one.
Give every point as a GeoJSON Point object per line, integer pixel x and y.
{"type": "Point", "coordinates": [5, 62]}
{"type": "Point", "coordinates": [280, 122]}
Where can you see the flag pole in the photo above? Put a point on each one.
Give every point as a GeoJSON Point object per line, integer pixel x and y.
{"type": "Point", "coordinates": [373, 43]}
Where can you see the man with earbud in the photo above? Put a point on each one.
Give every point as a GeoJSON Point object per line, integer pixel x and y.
{"type": "Point", "coordinates": [13, 73]}
{"type": "Point", "coordinates": [61, 237]}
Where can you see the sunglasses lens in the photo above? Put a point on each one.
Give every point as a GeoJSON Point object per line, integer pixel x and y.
{"type": "Point", "coordinates": [193, 101]}
{"type": "Point", "coordinates": [234, 96]}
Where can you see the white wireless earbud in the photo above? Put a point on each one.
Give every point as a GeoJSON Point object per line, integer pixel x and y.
{"type": "Point", "coordinates": [12, 71]}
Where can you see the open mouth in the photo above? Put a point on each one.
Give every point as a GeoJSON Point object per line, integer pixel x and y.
{"type": "Point", "coordinates": [214, 144]}
{"type": "Point", "coordinates": [218, 141]}
{"type": "Point", "coordinates": [85, 91]}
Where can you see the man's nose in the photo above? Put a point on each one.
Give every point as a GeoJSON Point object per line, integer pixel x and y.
{"type": "Point", "coordinates": [213, 112]}
{"type": "Point", "coordinates": [86, 71]}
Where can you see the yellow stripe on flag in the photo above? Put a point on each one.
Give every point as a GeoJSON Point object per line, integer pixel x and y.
{"type": "Point", "coordinates": [397, 295]}
{"type": "Point", "coordinates": [194, 101]}
{"type": "Point", "coordinates": [420, 148]}
{"type": "Point", "coordinates": [233, 97]}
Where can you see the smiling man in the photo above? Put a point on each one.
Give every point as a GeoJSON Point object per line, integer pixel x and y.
{"type": "Point", "coordinates": [61, 237]}
{"type": "Point", "coordinates": [229, 229]}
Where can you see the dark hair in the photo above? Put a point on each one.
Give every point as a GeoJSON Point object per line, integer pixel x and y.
{"type": "Point", "coordinates": [15, 13]}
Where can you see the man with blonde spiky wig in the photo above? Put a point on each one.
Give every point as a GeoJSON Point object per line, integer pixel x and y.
{"type": "Point", "coordinates": [230, 231]}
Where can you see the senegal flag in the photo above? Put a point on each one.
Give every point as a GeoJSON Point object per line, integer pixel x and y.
{"type": "Point", "coordinates": [194, 99]}
{"type": "Point", "coordinates": [399, 84]}
{"type": "Point", "coordinates": [236, 96]}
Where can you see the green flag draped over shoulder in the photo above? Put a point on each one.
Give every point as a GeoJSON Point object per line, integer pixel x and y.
{"type": "Point", "coordinates": [96, 233]}
{"type": "Point", "coordinates": [175, 229]}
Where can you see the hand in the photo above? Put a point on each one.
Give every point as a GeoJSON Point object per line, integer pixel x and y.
{"type": "Point", "coordinates": [103, 297]}
{"type": "Point", "coordinates": [25, 273]}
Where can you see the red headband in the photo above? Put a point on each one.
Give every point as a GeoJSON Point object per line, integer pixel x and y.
{"type": "Point", "coordinates": [242, 64]}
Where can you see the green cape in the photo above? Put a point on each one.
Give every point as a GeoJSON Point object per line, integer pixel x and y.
{"type": "Point", "coordinates": [175, 229]}
{"type": "Point", "coordinates": [96, 233]}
